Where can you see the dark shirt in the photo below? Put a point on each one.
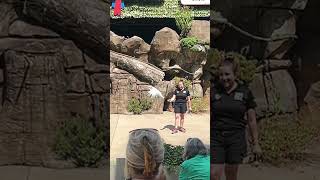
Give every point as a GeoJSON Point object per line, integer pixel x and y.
{"type": "Point", "coordinates": [228, 110]}
{"type": "Point", "coordinates": [181, 95]}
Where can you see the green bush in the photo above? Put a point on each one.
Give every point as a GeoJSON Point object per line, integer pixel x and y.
{"type": "Point", "coordinates": [199, 105]}
{"type": "Point", "coordinates": [284, 139]}
{"type": "Point", "coordinates": [137, 106]}
{"type": "Point", "coordinates": [173, 157]}
{"type": "Point", "coordinates": [183, 20]}
{"type": "Point", "coordinates": [79, 141]}
{"type": "Point", "coordinates": [247, 67]}
{"type": "Point", "coordinates": [189, 42]}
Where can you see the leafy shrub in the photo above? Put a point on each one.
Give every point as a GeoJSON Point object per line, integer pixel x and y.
{"type": "Point", "coordinates": [173, 157]}
{"type": "Point", "coordinates": [247, 67]}
{"type": "Point", "coordinates": [145, 104]}
{"type": "Point", "coordinates": [187, 83]}
{"type": "Point", "coordinates": [137, 106]}
{"type": "Point", "coordinates": [189, 42]}
{"type": "Point", "coordinates": [78, 140]}
{"type": "Point", "coordinates": [199, 105]}
{"type": "Point", "coordinates": [183, 20]}
{"type": "Point", "coordinates": [284, 139]}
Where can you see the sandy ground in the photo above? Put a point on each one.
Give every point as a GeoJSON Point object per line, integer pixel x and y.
{"type": "Point", "coordinates": [197, 125]}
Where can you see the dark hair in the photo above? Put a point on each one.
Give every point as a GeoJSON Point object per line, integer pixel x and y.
{"type": "Point", "coordinates": [193, 147]}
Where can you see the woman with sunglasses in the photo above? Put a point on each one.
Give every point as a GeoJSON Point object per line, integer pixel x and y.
{"type": "Point", "coordinates": [182, 104]}
{"type": "Point", "coordinates": [196, 163]}
{"type": "Point", "coordinates": [144, 155]}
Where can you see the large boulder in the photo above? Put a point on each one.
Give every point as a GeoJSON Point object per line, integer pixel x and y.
{"type": "Point", "coordinates": [45, 79]}
{"type": "Point", "coordinates": [193, 60]}
{"type": "Point", "coordinates": [116, 42]}
{"type": "Point", "coordinates": [274, 92]}
{"type": "Point", "coordinates": [165, 48]}
{"type": "Point", "coordinates": [278, 23]}
{"type": "Point", "coordinates": [201, 30]}
{"type": "Point", "coordinates": [136, 47]}
{"type": "Point", "coordinates": [196, 90]}
{"type": "Point", "coordinates": [313, 96]}
{"type": "Point", "coordinates": [270, 22]}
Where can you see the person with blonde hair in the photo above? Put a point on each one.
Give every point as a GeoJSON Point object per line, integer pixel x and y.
{"type": "Point", "coordinates": [231, 102]}
{"type": "Point", "coordinates": [182, 104]}
{"type": "Point", "coordinates": [145, 155]}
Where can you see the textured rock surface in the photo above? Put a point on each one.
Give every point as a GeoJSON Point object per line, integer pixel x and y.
{"type": "Point", "coordinates": [136, 47]}
{"type": "Point", "coordinates": [201, 30]}
{"type": "Point", "coordinates": [274, 92]}
{"type": "Point", "coordinates": [45, 79]}
{"type": "Point", "coordinates": [165, 47]}
{"type": "Point", "coordinates": [125, 86]}
{"type": "Point", "coordinates": [85, 22]}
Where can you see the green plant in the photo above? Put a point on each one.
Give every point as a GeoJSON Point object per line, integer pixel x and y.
{"type": "Point", "coordinates": [284, 139]}
{"type": "Point", "coordinates": [183, 20]}
{"type": "Point", "coordinates": [199, 105]}
{"type": "Point", "coordinates": [137, 106]}
{"type": "Point", "coordinates": [187, 83]}
{"type": "Point", "coordinates": [167, 9]}
{"type": "Point", "coordinates": [145, 104]}
{"type": "Point", "coordinates": [189, 42]}
{"type": "Point", "coordinates": [173, 157]}
{"type": "Point", "coordinates": [79, 141]}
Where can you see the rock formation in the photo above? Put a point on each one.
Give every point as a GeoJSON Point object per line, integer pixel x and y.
{"type": "Point", "coordinates": [53, 66]}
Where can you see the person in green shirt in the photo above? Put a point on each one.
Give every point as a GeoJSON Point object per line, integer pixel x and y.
{"type": "Point", "coordinates": [197, 161]}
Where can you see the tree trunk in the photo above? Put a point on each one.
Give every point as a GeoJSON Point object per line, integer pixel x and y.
{"type": "Point", "coordinates": [86, 22]}
{"type": "Point", "coordinates": [143, 71]}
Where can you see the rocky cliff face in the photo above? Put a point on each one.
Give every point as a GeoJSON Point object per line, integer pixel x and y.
{"type": "Point", "coordinates": [275, 33]}
{"type": "Point", "coordinates": [47, 76]}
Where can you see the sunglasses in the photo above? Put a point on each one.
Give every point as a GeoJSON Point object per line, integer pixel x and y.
{"type": "Point", "coordinates": [144, 129]}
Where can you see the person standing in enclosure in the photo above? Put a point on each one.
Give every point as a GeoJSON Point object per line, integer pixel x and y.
{"type": "Point", "coordinates": [182, 104]}
{"type": "Point", "coordinates": [232, 108]}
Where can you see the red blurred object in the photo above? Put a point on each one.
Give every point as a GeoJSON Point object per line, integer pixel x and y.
{"type": "Point", "coordinates": [117, 8]}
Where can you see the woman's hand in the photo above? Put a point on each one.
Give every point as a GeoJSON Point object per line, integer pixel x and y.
{"type": "Point", "coordinates": [169, 100]}
{"type": "Point", "coordinates": [257, 149]}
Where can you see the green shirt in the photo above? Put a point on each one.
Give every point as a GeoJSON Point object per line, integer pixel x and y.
{"type": "Point", "coordinates": [196, 168]}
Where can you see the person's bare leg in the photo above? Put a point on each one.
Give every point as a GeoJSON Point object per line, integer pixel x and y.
{"type": "Point", "coordinates": [181, 119]}
{"type": "Point", "coordinates": [176, 122]}
{"type": "Point", "coordinates": [231, 171]}
{"type": "Point", "coordinates": [216, 171]}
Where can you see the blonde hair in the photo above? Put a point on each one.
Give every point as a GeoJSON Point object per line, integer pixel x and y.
{"type": "Point", "coordinates": [145, 153]}
{"type": "Point", "coordinates": [230, 60]}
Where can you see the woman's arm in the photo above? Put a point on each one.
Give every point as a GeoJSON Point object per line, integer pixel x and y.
{"type": "Point", "coordinates": [253, 125]}
{"type": "Point", "coordinates": [172, 99]}
{"type": "Point", "coordinates": [254, 130]}
{"type": "Point", "coordinates": [189, 103]}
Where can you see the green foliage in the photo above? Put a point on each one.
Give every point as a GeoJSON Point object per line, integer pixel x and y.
{"type": "Point", "coordinates": [187, 83]}
{"type": "Point", "coordinates": [78, 140]}
{"type": "Point", "coordinates": [173, 157]}
{"type": "Point", "coordinates": [167, 9]}
{"type": "Point", "coordinates": [137, 106]}
{"type": "Point", "coordinates": [184, 19]}
{"type": "Point", "coordinates": [247, 67]}
{"type": "Point", "coordinates": [199, 105]}
{"type": "Point", "coordinates": [189, 42]}
{"type": "Point", "coordinates": [284, 139]}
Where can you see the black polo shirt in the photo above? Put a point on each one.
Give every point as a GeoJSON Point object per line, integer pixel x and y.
{"type": "Point", "coordinates": [228, 110]}
{"type": "Point", "coordinates": [181, 95]}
